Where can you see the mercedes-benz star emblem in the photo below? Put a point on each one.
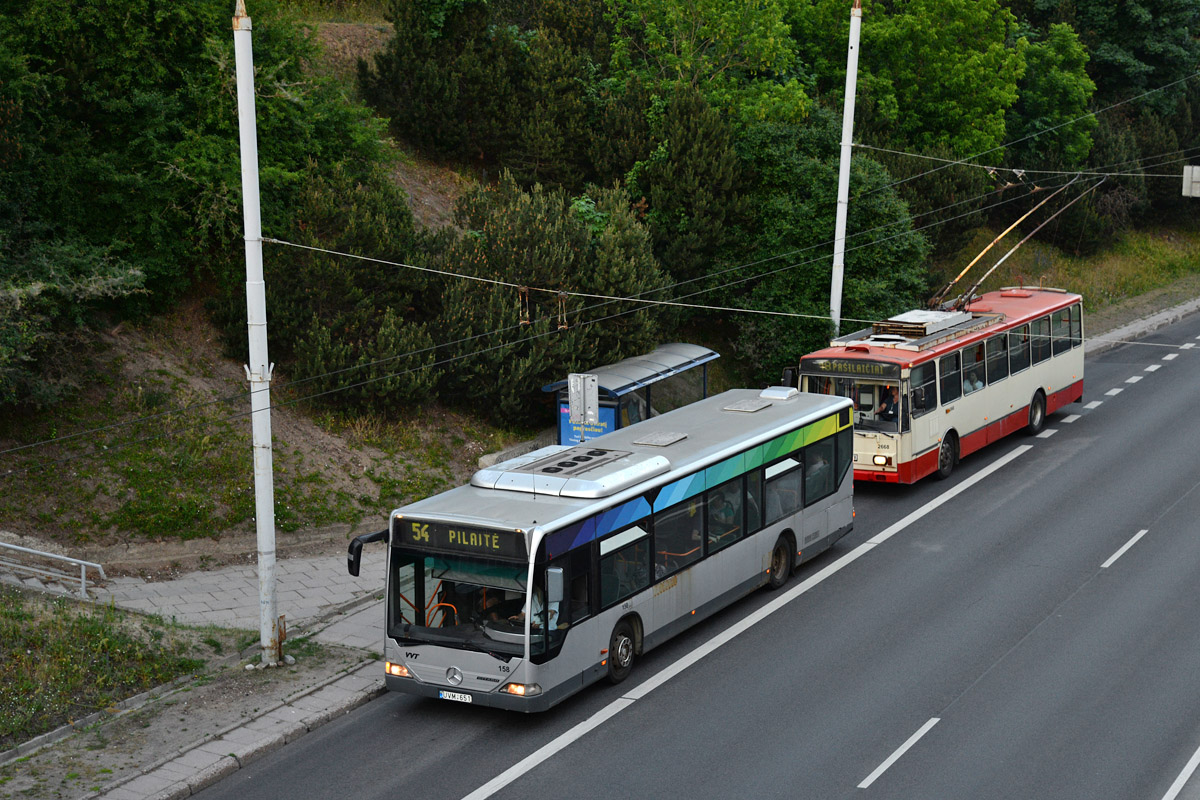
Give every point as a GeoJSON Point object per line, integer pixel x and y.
{"type": "Point", "coordinates": [454, 675]}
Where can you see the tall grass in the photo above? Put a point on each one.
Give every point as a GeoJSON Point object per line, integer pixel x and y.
{"type": "Point", "coordinates": [1140, 261]}
{"type": "Point", "coordinates": [60, 661]}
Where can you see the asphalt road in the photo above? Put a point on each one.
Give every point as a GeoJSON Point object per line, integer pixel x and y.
{"type": "Point", "coordinates": [1008, 633]}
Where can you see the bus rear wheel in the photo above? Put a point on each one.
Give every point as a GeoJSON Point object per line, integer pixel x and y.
{"type": "Point", "coordinates": [947, 456]}
{"type": "Point", "coordinates": [1037, 413]}
{"type": "Point", "coordinates": [781, 563]}
{"type": "Point", "coordinates": [621, 651]}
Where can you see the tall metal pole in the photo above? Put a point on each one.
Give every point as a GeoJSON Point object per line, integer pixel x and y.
{"type": "Point", "coordinates": [843, 197]}
{"type": "Point", "coordinates": [258, 372]}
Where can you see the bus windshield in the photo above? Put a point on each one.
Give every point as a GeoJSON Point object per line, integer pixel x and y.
{"type": "Point", "coordinates": [467, 602]}
{"type": "Point", "coordinates": [876, 403]}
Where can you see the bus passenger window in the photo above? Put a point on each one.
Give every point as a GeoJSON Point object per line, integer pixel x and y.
{"type": "Point", "coordinates": [997, 358]}
{"type": "Point", "coordinates": [678, 536]}
{"type": "Point", "coordinates": [818, 471]}
{"type": "Point", "coordinates": [1018, 349]}
{"type": "Point", "coordinates": [1060, 330]}
{"type": "Point", "coordinates": [754, 501]}
{"type": "Point", "coordinates": [1076, 325]}
{"type": "Point", "coordinates": [951, 378]}
{"type": "Point", "coordinates": [923, 391]}
{"type": "Point", "coordinates": [724, 514]}
{"type": "Point", "coordinates": [782, 489]}
{"type": "Point", "coordinates": [1041, 339]}
{"type": "Point", "coordinates": [973, 370]}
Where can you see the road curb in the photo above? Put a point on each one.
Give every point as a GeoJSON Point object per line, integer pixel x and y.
{"type": "Point", "coordinates": [241, 754]}
{"type": "Point", "coordinates": [1139, 327]}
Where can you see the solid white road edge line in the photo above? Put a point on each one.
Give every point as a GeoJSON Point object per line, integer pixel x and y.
{"type": "Point", "coordinates": [1182, 780]}
{"type": "Point", "coordinates": [901, 750]}
{"type": "Point", "coordinates": [662, 676]}
{"type": "Point", "coordinates": [1125, 547]}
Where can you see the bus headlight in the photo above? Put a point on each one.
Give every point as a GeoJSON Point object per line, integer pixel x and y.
{"type": "Point", "coordinates": [522, 689]}
{"type": "Point", "coordinates": [882, 461]}
{"type": "Point", "coordinates": [398, 670]}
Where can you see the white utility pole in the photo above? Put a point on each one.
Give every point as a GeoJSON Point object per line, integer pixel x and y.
{"type": "Point", "coordinates": [258, 372]}
{"type": "Point", "coordinates": [843, 196]}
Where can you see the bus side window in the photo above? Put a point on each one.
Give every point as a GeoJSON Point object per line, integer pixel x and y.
{"type": "Point", "coordinates": [1060, 330]}
{"type": "Point", "coordinates": [997, 358]}
{"type": "Point", "coordinates": [923, 394]}
{"type": "Point", "coordinates": [1018, 349]}
{"type": "Point", "coordinates": [1041, 339]}
{"type": "Point", "coordinates": [951, 378]}
{"type": "Point", "coordinates": [754, 502]}
{"type": "Point", "coordinates": [1076, 325]}
{"type": "Point", "coordinates": [577, 603]}
{"type": "Point", "coordinates": [782, 488]}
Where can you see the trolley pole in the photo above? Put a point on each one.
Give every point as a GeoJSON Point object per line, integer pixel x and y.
{"type": "Point", "coordinates": [258, 371]}
{"type": "Point", "coordinates": [843, 192]}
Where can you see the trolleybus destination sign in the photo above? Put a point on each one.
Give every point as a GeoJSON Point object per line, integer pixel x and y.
{"type": "Point", "coordinates": [851, 367]}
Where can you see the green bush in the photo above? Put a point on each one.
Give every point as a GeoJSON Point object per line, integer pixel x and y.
{"type": "Point", "coordinates": [540, 238]}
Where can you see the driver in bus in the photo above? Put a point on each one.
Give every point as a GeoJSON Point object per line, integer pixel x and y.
{"type": "Point", "coordinates": [888, 403]}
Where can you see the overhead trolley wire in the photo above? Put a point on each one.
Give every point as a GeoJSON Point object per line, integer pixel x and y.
{"type": "Point", "coordinates": [608, 300]}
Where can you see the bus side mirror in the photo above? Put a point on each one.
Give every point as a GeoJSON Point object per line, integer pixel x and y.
{"type": "Point", "coordinates": [554, 585]}
{"type": "Point", "coordinates": [354, 556]}
{"type": "Point", "coordinates": [789, 377]}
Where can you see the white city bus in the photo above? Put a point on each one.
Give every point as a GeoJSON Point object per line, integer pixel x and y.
{"type": "Point", "coordinates": [554, 570]}
{"type": "Point", "coordinates": [960, 379]}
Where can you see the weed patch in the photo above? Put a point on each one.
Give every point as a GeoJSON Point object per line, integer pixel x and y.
{"type": "Point", "coordinates": [61, 660]}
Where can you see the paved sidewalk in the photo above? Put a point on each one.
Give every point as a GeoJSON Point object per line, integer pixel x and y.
{"type": "Point", "coordinates": [318, 597]}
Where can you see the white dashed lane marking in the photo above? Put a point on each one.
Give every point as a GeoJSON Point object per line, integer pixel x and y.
{"type": "Point", "coordinates": [1114, 392]}
{"type": "Point", "coordinates": [1046, 434]}
{"type": "Point", "coordinates": [1133, 379]}
{"type": "Point", "coordinates": [1071, 418]}
{"type": "Point", "coordinates": [1093, 405]}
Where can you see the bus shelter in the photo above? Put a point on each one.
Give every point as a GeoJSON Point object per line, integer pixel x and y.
{"type": "Point", "coordinates": [637, 388]}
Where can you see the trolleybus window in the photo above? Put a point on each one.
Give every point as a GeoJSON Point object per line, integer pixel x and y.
{"type": "Point", "coordinates": [923, 394]}
{"type": "Point", "coordinates": [1076, 325]}
{"type": "Point", "coordinates": [1060, 330]}
{"type": "Point", "coordinates": [951, 378]}
{"type": "Point", "coordinates": [1041, 339]}
{"type": "Point", "coordinates": [1018, 349]}
{"type": "Point", "coordinates": [973, 368]}
{"type": "Point", "coordinates": [997, 358]}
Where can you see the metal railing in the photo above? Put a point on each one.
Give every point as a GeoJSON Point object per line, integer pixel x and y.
{"type": "Point", "coordinates": [47, 572]}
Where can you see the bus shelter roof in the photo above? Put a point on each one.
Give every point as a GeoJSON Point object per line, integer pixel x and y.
{"type": "Point", "coordinates": [637, 372]}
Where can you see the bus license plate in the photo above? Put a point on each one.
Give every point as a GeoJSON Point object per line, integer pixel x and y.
{"type": "Point", "coordinates": [459, 696]}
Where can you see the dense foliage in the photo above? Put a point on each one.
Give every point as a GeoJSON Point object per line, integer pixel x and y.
{"type": "Point", "coordinates": [687, 150]}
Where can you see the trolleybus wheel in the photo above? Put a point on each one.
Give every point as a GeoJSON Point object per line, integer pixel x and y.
{"type": "Point", "coordinates": [620, 652]}
{"type": "Point", "coordinates": [947, 456]}
{"type": "Point", "coordinates": [781, 563]}
{"type": "Point", "coordinates": [1037, 413]}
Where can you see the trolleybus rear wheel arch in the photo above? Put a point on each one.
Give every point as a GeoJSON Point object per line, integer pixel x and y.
{"type": "Point", "coordinates": [622, 649]}
{"type": "Point", "coordinates": [1037, 412]}
{"type": "Point", "coordinates": [781, 561]}
{"type": "Point", "coordinates": [947, 455]}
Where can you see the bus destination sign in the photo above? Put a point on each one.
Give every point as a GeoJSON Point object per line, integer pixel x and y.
{"type": "Point", "coordinates": [464, 539]}
{"type": "Point", "coordinates": [850, 367]}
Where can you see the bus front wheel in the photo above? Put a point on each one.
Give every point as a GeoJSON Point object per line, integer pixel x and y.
{"type": "Point", "coordinates": [1037, 413]}
{"type": "Point", "coordinates": [781, 563]}
{"type": "Point", "coordinates": [947, 456]}
{"type": "Point", "coordinates": [621, 650]}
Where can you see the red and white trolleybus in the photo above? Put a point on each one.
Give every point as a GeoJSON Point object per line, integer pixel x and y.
{"type": "Point", "coordinates": [932, 386]}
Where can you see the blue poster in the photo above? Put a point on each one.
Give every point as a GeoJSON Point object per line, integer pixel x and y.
{"type": "Point", "coordinates": [569, 434]}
